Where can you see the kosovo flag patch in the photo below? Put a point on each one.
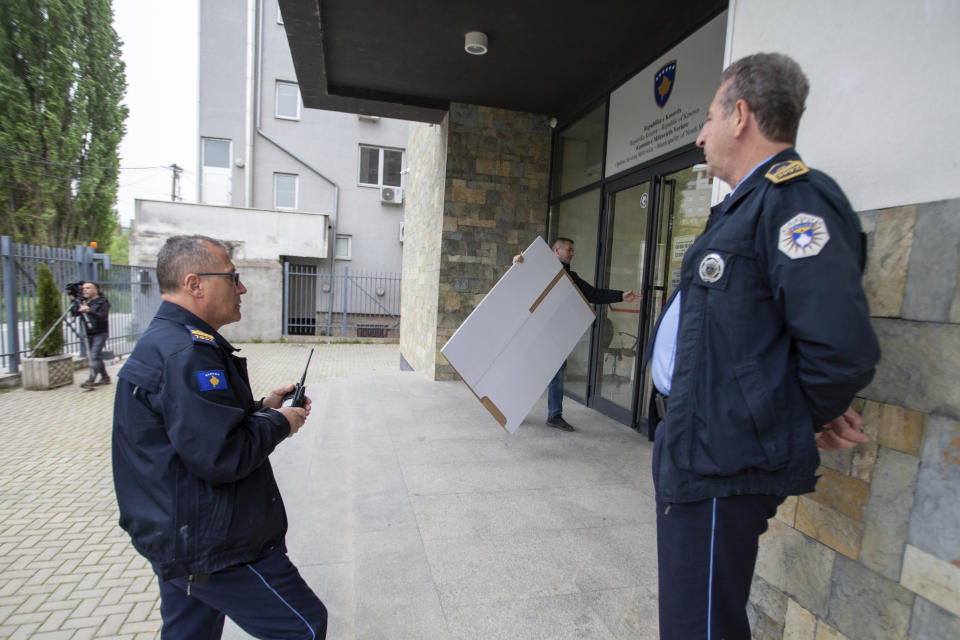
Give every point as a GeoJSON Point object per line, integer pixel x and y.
{"type": "Point", "coordinates": [212, 380]}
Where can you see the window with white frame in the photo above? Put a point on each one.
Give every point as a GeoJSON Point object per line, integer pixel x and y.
{"type": "Point", "coordinates": [344, 247]}
{"type": "Point", "coordinates": [285, 191]}
{"type": "Point", "coordinates": [216, 153]}
{"type": "Point", "coordinates": [380, 167]}
{"type": "Point", "coordinates": [288, 100]}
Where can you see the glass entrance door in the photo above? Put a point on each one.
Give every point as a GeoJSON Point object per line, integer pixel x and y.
{"type": "Point", "coordinates": [577, 219]}
{"type": "Point", "coordinates": [618, 325]}
{"type": "Point", "coordinates": [683, 207]}
{"type": "Point", "coordinates": [650, 219]}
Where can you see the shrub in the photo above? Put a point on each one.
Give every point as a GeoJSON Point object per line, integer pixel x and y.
{"type": "Point", "coordinates": [48, 312]}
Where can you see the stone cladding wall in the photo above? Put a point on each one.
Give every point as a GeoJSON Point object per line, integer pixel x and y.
{"type": "Point", "coordinates": [495, 204]}
{"type": "Point", "coordinates": [875, 552]}
{"type": "Point", "coordinates": [476, 196]}
{"type": "Point", "coordinates": [423, 221]}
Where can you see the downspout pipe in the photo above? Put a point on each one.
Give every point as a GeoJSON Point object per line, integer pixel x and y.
{"type": "Point", "coordinates": [331, 241]}
{"type": "Point", "coordinates": [249, 107]}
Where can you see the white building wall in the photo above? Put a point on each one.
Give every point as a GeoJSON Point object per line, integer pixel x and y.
{"type": "Point", "coordinates": [254, 234]}
{"type": "Point", "coordinates": [884, 89]}
{"type": "Point", "coordinates": [255, 238]}
{"type": "Point", "coordinates": [222, 86]}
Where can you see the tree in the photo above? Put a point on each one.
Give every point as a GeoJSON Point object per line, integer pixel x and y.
{"type": "Point", "coordinates": [119, 248]}
{"type": "Point", "coordinates": [48, 312]}
{"type": "Point", "coordinates": [61, 120]}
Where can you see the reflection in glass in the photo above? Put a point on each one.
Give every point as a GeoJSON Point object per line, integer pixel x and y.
{"type": "Point", "coordinates": [684, 208]}
{"type": "Point", "coordinates": [578, 153]}
{"type": "Point", "coordinates": [619, 323]}
{"type": "Point", "coordinates": [577, 219]}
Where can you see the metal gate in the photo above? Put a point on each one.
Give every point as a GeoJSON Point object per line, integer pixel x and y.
{"type": "Point", "coordinates": [133, 293]}
{"type": "Point", "coordinates": [343, 303]}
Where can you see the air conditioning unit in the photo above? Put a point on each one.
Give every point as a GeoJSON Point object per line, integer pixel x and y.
{"type": "Point", "coordinates": [391, 195]}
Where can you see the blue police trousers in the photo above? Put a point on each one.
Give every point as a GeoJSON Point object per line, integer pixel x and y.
{"type": "Point", "coordinates": [266, 598]}
{"type": "Point", "coordinates": [706, 553]}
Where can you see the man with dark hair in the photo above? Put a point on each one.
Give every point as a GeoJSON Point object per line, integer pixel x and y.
{"type": "Point", "coordinates": [95, 311]}
{"type": "Point", "coordinates": [191, 461]}
{"type": "Point", "coordinates": [758, 354]}
{"type": "Point", "coordinates": [563, 249]}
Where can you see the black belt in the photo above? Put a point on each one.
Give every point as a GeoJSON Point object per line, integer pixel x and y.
{"type": "Point", "coordinates": [198, 579]}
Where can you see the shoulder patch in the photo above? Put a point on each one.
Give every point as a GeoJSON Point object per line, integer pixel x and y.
{"type": "Point", "coordinates": [200, 336]}
{"type": "Point", "coordinates": [786, 170]}
{"type": "Point", "coordinates": [803, 236]}
{"type": "Point", "coordinates": [212, 379]}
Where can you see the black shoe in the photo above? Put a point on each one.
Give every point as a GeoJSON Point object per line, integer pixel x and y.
{"type": "Point", "coordinates": [103, 380]}
{"type": "Point", "coordinates": [557, 422]}
{"type": "Point", "coordinates": [87, 385]}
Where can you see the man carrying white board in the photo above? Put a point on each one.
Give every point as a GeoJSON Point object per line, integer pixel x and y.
{"type": "Point", "coordinates": [563, 249]}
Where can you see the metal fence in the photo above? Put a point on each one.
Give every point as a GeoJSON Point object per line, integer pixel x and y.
{"type": "Point", "coordinates": [342, 303]}
{"type": "Point", "coordinates": [133, 293]}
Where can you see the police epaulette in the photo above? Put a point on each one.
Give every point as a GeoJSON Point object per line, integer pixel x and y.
{"type": "Point", "coordinates": [200, 336]}
{"type": "Point", "coordinates": [786, 170]}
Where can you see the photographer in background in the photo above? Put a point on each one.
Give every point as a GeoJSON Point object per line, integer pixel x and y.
{"type": "Point", "coordinates": [94, 308]}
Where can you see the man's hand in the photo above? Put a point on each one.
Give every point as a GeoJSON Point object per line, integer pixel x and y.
{"type": "Point", "coordinates": [518, 258]}
{"type": "Point", "coordinates": [295, 416]}
{"type": "Point", "coordinates": [630, 296]}
{"type": "Point", "coordinates": [275, 397]}
{"type": "Point", "coordinates": [842, 432]}
{"type": "Point", "coordinates": [83, 308]}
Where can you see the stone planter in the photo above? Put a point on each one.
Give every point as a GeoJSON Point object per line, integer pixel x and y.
{"type": "Point", "coordinates": [47, 373]}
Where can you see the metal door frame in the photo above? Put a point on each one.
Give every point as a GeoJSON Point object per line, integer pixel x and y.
{"type": "Point", "coordinates": [654, 173]}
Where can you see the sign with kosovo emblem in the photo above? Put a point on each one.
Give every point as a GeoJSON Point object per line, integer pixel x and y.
{"type": "Point", "coordinates": [803, 235]}
{"type": "Point", "coordinates": [663, 81]}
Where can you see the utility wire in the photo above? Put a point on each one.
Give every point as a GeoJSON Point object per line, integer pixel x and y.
{"type": "Point", "coordinates": [78, 165]}
{"type": "Point", "coordinates": [39, 173]}
{"type": "Point", "coordinates": [39, 160]}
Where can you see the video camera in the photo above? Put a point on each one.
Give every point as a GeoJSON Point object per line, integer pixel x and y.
{"type": "Point", "coordinates": [75, 291]}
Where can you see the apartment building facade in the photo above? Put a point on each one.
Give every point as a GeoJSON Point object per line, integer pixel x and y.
{"type": "Point", "coordinates": [269, 166]}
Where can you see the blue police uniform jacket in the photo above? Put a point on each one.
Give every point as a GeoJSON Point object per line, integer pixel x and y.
{"type": "Point", "coordinates": [774, 338]}
{"type": "Point", "coordinates": [194, 486]}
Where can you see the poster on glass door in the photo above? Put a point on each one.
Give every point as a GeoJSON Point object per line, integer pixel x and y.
{"type": "Point", "coordinates": [664, 106]}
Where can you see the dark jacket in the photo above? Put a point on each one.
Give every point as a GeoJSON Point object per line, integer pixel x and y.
{"type": "Point", "coordinates": [98, 318]}
{"type": "Point", "coordinates": [591, 293]}
{"type": "Point", "coordinates": [195, 488]}
{"type": "Point", "coordinates": [774, 338]}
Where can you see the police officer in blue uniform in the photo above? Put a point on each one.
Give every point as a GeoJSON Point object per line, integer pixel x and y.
{"type": "Point", "coordinates": [757, 356]}
{"type": "Point", "coordinates": [190, 460]}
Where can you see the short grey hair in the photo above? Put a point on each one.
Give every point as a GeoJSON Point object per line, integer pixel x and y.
{"type": "Point", "coordinates": [561, 241]}
{"type": "Point", "coordinates": [774, 87]}
{"type": "Point", "coordinates": [181, 255]}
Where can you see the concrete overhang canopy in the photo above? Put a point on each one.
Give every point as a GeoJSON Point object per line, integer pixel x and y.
{"type": "Point", "coordinates": [407, 59]}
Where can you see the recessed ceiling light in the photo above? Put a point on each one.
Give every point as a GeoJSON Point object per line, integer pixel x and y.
{"type": "Point", "coordinates": [475, 43]}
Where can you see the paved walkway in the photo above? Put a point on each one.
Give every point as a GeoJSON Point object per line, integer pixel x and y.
{"type": "Point", "coordinates": [412, 514]}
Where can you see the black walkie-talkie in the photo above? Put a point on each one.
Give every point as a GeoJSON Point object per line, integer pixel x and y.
{"type": "Point", "coordinates": [298, 397]}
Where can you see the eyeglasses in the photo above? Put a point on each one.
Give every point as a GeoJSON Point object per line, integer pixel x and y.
{"type": "Point", "coordinates": [232, 274]}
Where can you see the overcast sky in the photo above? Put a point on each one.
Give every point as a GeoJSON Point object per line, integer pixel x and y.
{"type": "Point", "coordinates": [160, 52]}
